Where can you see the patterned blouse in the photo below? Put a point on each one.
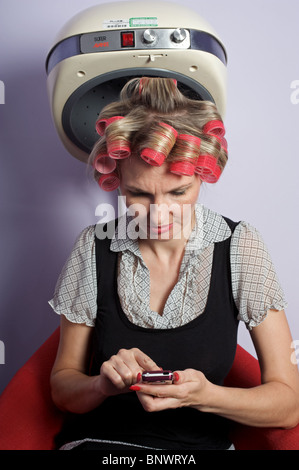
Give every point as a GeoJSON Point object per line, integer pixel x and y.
{"type": "Point", "coordinates": [255, 285]}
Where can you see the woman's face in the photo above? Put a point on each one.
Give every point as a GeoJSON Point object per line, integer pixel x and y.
{"type": "Point", "coordinates": [162, 201]}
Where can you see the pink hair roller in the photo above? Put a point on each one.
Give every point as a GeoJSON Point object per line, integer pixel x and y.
{"type": "Point", "coordinates": [186, 167]}
{"type": "Point", "coordinates": [109, 182]}
{"type": "Point", "coordinates": [222, 141]}
{"type": "Point", "coordinates": [118, 149]}
{"type": "Point", "coordinates": [208, 169]}
{"type": "Point", "coordinates": [152, 157]}
{"type": "Point", "coordinates": [175, 133]}
{"type": "Point", "coordinates": [102, 124]}
{"type": "Point", "coordinates": [104, 164]}
{"type": "Point", "coordinates": [215, 128]}
{"type": "Point", "coordinates": [213, 178]}
{"type": "Point", "coordinates": [156, 157]}
{"type": "Point", "coordinates": [182, 168]}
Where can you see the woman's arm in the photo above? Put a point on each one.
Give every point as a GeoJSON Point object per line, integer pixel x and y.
{"type": "Point", "coordinates": [72, 389]}
{"type": "Point", "coordinates": [275, 403]}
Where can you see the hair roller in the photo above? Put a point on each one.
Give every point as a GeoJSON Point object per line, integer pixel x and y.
{"type": "Point", "coordinates": [224, 144]}
{"type": "Point", "coordinates": [159, 145]}
{"type": "Point", "coordinates": [104, 164]}
{"type": "Point", "coordinates": [215, 128]}
{"type": "Point", "coordinates": [182, 168]}
{"type": "Point", "coordinates": [102, 124]}
{"type": "Point", "coordinates": [109, 182]}
{"type": "Point", "coordinates": [118, 148]}
{"type": "Point", "coordinates": [222, 141]}
{"type": "Point", "coordinates": [208, 169]}
{"type": "Point", "coordinates": [118, 145]}
{"type": "Point", "coordinates": [185, 155]}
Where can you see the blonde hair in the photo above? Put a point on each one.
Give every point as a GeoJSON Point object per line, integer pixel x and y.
{"type": "Point", "coordinates": [145, 105]}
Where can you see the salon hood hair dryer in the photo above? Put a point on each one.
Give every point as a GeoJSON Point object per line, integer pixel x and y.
{"type": "Point", "coordinates": [103, 47]}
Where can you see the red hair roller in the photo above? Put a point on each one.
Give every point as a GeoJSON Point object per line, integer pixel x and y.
{"type": "Point", "coordinates": [215, 128]}
{"type": "Point", "coordinates": [221, 140]}
{"type": "Point", "coordinates": [208, 169]}
{"type": "Point", "coordinates": [118, 149]}
{"type": "Point", "coordinates": [109, 182]}
{"type": "Point", "coordinates": [182, 168]}
{"type": "Point", "coordinates": [186, 167]}
{"type": "Point", "coordinates": [224, 143]}
{"type": "Point", "coordinates": [152, 157]}
{"type": "Point", "coordinates": [163, 124]}
{"type": "Point", "coordinates": [104, 164]}
{"type": "Point", "coordinates": [102, 124]}
{"type": "Point", "coordinates": [156, 157]}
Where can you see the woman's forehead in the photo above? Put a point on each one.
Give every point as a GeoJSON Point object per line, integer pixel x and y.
{"type": "Point", "coordinates": [137, 174]}
{"type": "Point", "coordinates": [134, 169]}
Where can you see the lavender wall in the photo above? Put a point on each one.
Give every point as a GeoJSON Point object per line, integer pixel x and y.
{"type": "Point", "coordinates": [46, 197]}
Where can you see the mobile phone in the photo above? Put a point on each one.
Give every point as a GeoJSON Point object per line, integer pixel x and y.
{"type": "Point", "coordinates": [157, 376]}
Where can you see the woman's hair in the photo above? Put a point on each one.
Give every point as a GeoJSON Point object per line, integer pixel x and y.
{"type": "Point", "coordinates": [155, 121]}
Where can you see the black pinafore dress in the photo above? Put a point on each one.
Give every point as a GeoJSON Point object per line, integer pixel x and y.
{"type": "Point", "coordinates": [207, 343]}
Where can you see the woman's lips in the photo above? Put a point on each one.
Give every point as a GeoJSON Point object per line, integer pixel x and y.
{"type": "Point", "coordinates": [159, 229]}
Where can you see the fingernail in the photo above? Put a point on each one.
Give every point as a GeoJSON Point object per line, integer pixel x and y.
{"type": "Point", "coordinates": [139, 377]}
{"type": "Point", "coordinates": [135, 388]}
{"type": "Point", "coordinates": [176, 376]}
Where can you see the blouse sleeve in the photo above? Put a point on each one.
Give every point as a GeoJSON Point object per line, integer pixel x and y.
{"type": "Point", "coordinates": [256, 288]}
{"type": "Point", "coordinates": [75, 294]}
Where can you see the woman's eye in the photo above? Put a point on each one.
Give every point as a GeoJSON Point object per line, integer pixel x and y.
{"type": "Point", "coordinates": [178, 193]}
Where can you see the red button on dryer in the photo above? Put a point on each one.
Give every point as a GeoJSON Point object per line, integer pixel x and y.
{"type": "Point", "coordinates": [127, 39]}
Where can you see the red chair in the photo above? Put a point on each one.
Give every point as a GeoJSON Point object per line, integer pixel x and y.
{"type": "Point", "coordinates": [29, 420]}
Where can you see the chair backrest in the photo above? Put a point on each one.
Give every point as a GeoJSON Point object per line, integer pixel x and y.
{"type": "Point", "coordinates": [28, 418]}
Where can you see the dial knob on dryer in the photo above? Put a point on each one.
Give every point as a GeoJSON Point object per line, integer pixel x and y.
{"type": "Point", "coordinates": [179, 35]}
{"type": "Point", "coordinates": [149, 36]}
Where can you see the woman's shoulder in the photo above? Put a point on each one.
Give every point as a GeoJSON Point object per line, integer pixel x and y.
{"type": "Point", "coordinates": [248, 235]}
{"type": "Point", "coordinates": [86, 233]}
{"type": "Point", "coordinates": [85, 238]}
{"type": "Point", "coordinates": [241, 228]}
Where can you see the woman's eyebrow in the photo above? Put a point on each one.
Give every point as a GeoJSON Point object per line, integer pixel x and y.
{"type": "Point", "coordinates": [135, 189]}
{"type": "Point", "coordinates": [140, 190]}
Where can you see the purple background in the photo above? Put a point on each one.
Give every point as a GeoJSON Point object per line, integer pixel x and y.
{"type": "Point", "coordinates": [46, 198]}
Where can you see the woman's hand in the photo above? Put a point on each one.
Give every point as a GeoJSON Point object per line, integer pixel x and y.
{"type": "Point", "coordinates": [122, 370]}
{"type": "Point", "coordinates": [189, 389]}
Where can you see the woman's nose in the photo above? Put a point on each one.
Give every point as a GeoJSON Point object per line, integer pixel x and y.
{"type": "Point", "coordinates": [159, 213]}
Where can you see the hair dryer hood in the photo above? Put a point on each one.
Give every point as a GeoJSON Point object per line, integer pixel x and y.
{"type": "Point", "coordinates": [103, 47]}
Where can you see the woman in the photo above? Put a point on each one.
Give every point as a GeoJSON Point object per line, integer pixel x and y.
{"type": "Point", "coordinates": [167, 290]}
